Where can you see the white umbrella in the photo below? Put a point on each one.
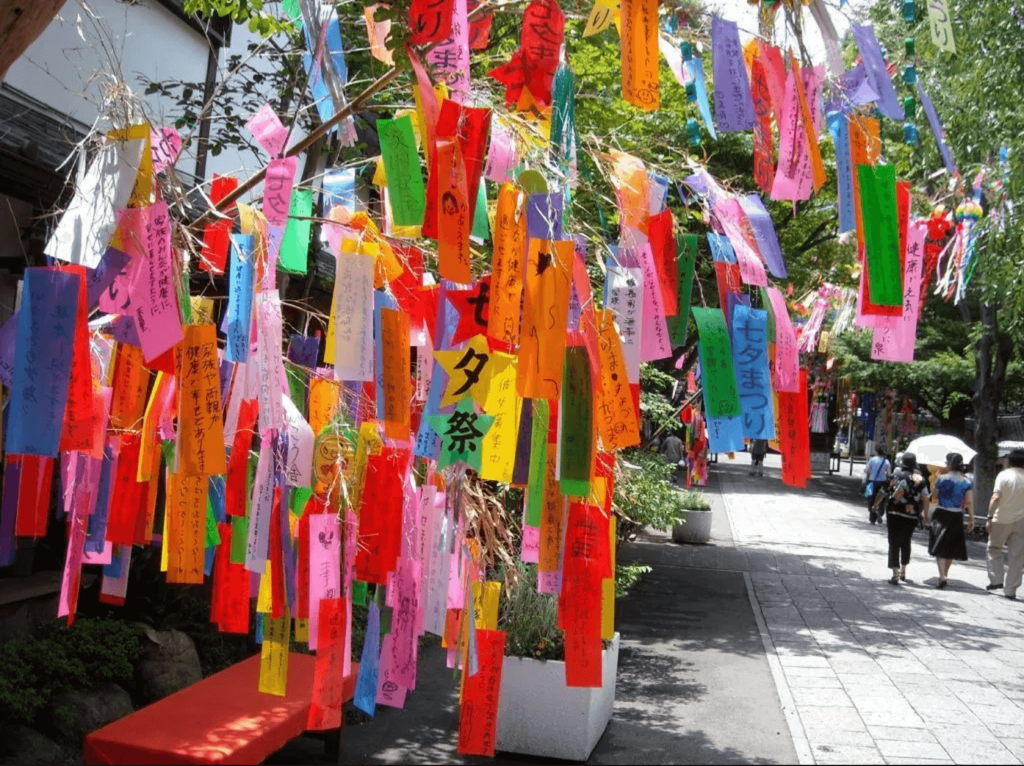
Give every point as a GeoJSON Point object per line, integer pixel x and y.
{"type": "Point", "coordinates": [932, 449]}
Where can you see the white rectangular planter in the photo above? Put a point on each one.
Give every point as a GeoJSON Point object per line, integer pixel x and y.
{"type": "Point", "coordinates": [539, 715]}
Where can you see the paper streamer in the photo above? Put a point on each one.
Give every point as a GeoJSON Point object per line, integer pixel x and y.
{"type": "Point", "coordinates": [881, 233]}
{"type": "Point", "coordinates": [940, 25]}
{"type": "Point", "coordinates": [753, 379]}
{"type": "Point", "coordinates": [734, 109]}
{"type": "Point", "coordinates": [895, 337]}
{"type": "Point", "coordinates": [402, 166]}
{"type": "Point", "coordinates": [481, 691]}
{"type": "Point", "coordinates": [936, 126]}
{"type": "Point", "coordinates": [640, 85]}
{"type": "Point", "coordinates": [721, 398]}
{"type": "Point", "coordinates": [874, 63]}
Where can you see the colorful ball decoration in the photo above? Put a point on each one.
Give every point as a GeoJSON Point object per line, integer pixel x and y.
{"type": "Point", "coordinates": [968, 211]}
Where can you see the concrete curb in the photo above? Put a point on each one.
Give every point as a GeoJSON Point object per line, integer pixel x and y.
{"type": "Point", "coordinates": [804, 754]}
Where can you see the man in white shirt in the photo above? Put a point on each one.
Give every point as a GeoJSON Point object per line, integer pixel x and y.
{"type": "Point", "coordinates": [1006, 527]}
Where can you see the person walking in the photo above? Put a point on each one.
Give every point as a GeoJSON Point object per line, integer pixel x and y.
{"type": "Point", "coordinates": [1006, 527]}
{"type": "Point", "coordinates": [876, 474]}
{"type": "Point", "coordinates": [908, 501]}
{"type": "Point", "coordinates": [672, 451]}
{"type": "Point", "coordinates": [758, 449]}
{"type": "Point", "coordinates": [946, 539]}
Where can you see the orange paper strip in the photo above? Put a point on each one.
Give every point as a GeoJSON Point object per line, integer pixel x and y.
{"type": "Point", "coordinates": [129, 383]}
{"type": "Point", "coordinates": [507, 267]}
{"type": "Point", "coordinates": [817, 168]}
{"type": "Point", "coordinates": [616, 418]}
{"type": "Point", "coordinates": [394, 327]}
{"type": "Point", "coordinates": [640, 53]}
{"type": "Point", "coordinates": [186, 529]}
{"type": "Point", "coordinates": [201, 425]}
{"type": "Point", "coordinates": [545, 312]}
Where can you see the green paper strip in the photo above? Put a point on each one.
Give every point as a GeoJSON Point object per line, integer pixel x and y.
{"type": "Point", "coordinates": [686, 246]}
{"type": "Point", "coordinates": [766, 304]}
{"type": "Point", "coordinates": [577, 435]}
{"type": "Point", "coordinates": [717, 375]}
{"type": "Point", "coordinates": [212, 535]}
{"type": "Point", "coordinates": [300, 497]}
{"type": "Point", "coordinates": [239, 539]}
{"type": "Point", "coordinates": [402, 168]}
{"type": "Point", "coordinates": [481, 226]}
{"type": "Point", "coordinates": [881, 234]}
{"type": "Point", "coordinates": [359, 593]}
{"type": "Point", "coordinates": [538, 462]}
{"type": "Point", "coordinates": [296, 385]}
{"type": "Point", "coordinates": [254, 460]}
{"type": "Point", "coordinates": [295, 245]}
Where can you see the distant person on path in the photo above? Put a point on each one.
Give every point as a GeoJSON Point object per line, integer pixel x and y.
{"type": "Point", "coordinates": [758, 449]}
{"type": "Point", "coordinates": [672, 451]}
{"type": "Point", "coordinates": [876, 474]}
{"type": "Point", "coordinates": [946, 539]}
{"type": "Point", "coordinates": [1006, 526]}
{"type": "Point", "coordinates": [908, 501]}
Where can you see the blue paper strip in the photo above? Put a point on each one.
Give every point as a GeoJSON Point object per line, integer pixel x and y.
{"type": "Point", "coordinates": [764, 233]}
{"type": "Point", "coordinates": [933, 121]}
{"type": "Point", "coordinates": [874, 64]}
{"type": "Point", "coordinates": [428, 443]}
{"type": "Point", "coordinates": [725, 434]}
{"type": "Point", "coordinates": [304, 351]}
{"type": "Point", "coordinates": [240, 296]}
{"type": "Point", "coordinates": [839, 128]}
{"type": "Point", "coordinates": [753, 379]}
{"type": "Point", "coordinates": [366, 683]}
{"type": "Point", "coordinates": [721, 248]}
{"type": "Point", "coordinates": [696, 67]}
{"type": "Point", "coordinates": [42, 361]}
{"type": "Point", "coordinates": [340, 189]}
{"type": "Point", "coordinates": [94, 542]}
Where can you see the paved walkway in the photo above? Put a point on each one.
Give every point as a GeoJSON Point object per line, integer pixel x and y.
{"type": "Point", "coordinates": [874, 673]}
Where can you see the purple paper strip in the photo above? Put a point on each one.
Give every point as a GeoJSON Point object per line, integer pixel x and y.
{"type": "Point", "coordinates": [521, 469]}
{"type": "Point", "coordinates": [856, 87]}
{"type": "Point", "coordinates": [8, 513]}
{"type": "Point", "coordinates": [764, 232]}
{"type": "Point", "coordinates": [933, 120]}
{"type": "Point", "coordinates": [544, 216]}
{"type": "Point", "coordinates": [103, 276]}
{"type": "Point", "coordinates": [734, 108]}
{"type": "Point", "coordinates": [874, 64]}
{"type": "Point", "coordinates": [303, 351]}
{"type": "Point", "coordinates": [122, 329]}
{"type": "Point", "coordinates": [98, 520]}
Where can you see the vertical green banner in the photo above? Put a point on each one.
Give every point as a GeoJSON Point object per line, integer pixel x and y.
{"type": "Point", "coordinates": [686, 247]}
{"type": "Point", "coordinates": [881, 234]}
{"type": "Point", "coordinates": [295, 245]}
{"type": "Point", "coordinates": [402, 168]}
{"type": "Point", "coordinates": [716, 369]}
{"type": "Point", "coordinates": [577, 411]}
{"type": "Point", "coordinates": [481, 226]}
{"type": "Point", "coordinates": [538, 462]}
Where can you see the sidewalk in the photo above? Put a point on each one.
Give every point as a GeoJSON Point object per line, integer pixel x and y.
{"type": "Point", "coordinates": [878, 673]}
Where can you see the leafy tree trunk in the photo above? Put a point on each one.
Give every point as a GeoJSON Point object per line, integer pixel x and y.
{"type": "Point", "coordinates": [994, 352]}
{"type": "Point", "coordinates": [21, 22]}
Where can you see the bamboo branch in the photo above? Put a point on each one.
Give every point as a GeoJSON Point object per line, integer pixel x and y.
{"type": "Point", "coordinates": [367, 93]}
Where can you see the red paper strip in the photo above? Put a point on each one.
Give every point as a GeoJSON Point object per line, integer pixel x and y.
{"type": "Point", "coordinates": [478, 718]}
{"type": "Point", "coordinates": [661, 234]}
{"type": "Point", "coordinates": [470, 127]}
{"type": "Point", "coordinates": [479, 28]}
{"type": "Point", "coordinates": [533, 65]}
{"type": "Point", "coordinates": [764, 168]}
{"type": "Point", "coordinates": [302, 565]}
{"type": "Point", "coordinates": [587, 562]}
{"type": "Point", "coordinates": [795, 439]}
{"type": "Point", "coordinates": [79, 413]}
{"type": "Point", "coordinates": [380, 515]}
{"type": "Point", "coordinates": [127, 496]}
{"type": "Point", "coordinates": [430, 21]}
{"type": "Point", "coordinates": [217, 235]}
{"type": "Point", "coordinates": [230, 607]}
{"type": "Point", "coordinates": [33, 495]}
{"type": "Point", "coordinates": [236, 490]}
{"type": "Point", "coordinates": [279, 602]}
{"type": "Point", "coordinates": [328, 675]}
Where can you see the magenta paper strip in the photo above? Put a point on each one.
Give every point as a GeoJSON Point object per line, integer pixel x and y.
{"type": "Point", "coordinates": [896, 337]}
{"type": "Point", "coordinates": [277, 190]}
{"type": "Point", "coordinates": [794, 176]}
{"type": "Point", "coordinates": [787, 359]}
{"type": "Point", "coordinates": [730, 215]}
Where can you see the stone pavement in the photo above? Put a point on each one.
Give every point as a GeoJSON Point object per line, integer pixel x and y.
{"type": "Point", "coordinates": [870, 672]}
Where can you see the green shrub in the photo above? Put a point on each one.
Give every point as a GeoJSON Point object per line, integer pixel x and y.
{"type": "Point", "coordinates": [628, 575]}
{"type": "Point", "coordinates": [93, 651]}
{"type": "Point", "coordinates": [644, 495]}
{"type": "Point", "coordinates": [529, 618]}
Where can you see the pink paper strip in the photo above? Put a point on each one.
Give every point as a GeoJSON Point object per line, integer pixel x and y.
{"type": "Point", "coordinates": [793, 179]}
{"type": "Point", "coordinates": [450, 59]}
{"type": "Point", "coordinates": [324, 566]}
{"type": "Point", "coordinates": [896, 337]}
{"type": "Point", "coordinates": [268, 130]}
{"type": "Point", "coordinates": [502, 157]}
{"type": "Point", "coordinates": [389, 691]}
{"type": "Point", "coordinates": [655, 342]}
{"type": "Point", "coordinates": [154, 293]}
{"type": "Point", "coordinates": [734, 222]}
{"type": "Point", "coordinates": [165, 146]}
{"type": "Point", "coordinates": [787, 359]}
{"type": "Point", "coordinates": [277, 190]}
{"type": "Point", "coordinates": [531, 544]}
{"type": "Point", "coordinates": [403, 623]}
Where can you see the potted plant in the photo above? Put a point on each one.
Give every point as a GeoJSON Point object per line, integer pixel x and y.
{"type": "Point", "coordinates": [695, 524]}
{"type": "Point", "coordinates": [537, 713]}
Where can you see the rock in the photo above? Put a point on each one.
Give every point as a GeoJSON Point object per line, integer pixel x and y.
{"type": "Point", "coordinates": [20, 744]}
{"type": "Point", "coordinates": [74, 713]}
{"type": "Point", "coordinates": [169, 663]}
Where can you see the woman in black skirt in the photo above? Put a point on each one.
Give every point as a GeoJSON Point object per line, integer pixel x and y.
{"type": "Point", "coordinates": [946, 540]}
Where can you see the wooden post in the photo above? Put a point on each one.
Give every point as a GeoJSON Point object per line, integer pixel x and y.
{"type": "Point", "coordinates": [21, 22]}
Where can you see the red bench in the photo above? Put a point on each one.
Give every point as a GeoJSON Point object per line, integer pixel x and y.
{"type": "Point", "coordinates": [222, 719]}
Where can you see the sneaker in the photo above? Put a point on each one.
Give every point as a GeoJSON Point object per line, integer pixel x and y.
{"type": "Point", "coordinates": [1012, 598]}
{"type": "Point", "coordinates": [894, 580]}
{"type": "Point", "coordinates": [872, 518]}
{"type": "Point", "coordinates": [942, 584]}
{"type": "Point", "coordinates": [903, 575]}
{"type": "Point", "coordinates": [994, 586]}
